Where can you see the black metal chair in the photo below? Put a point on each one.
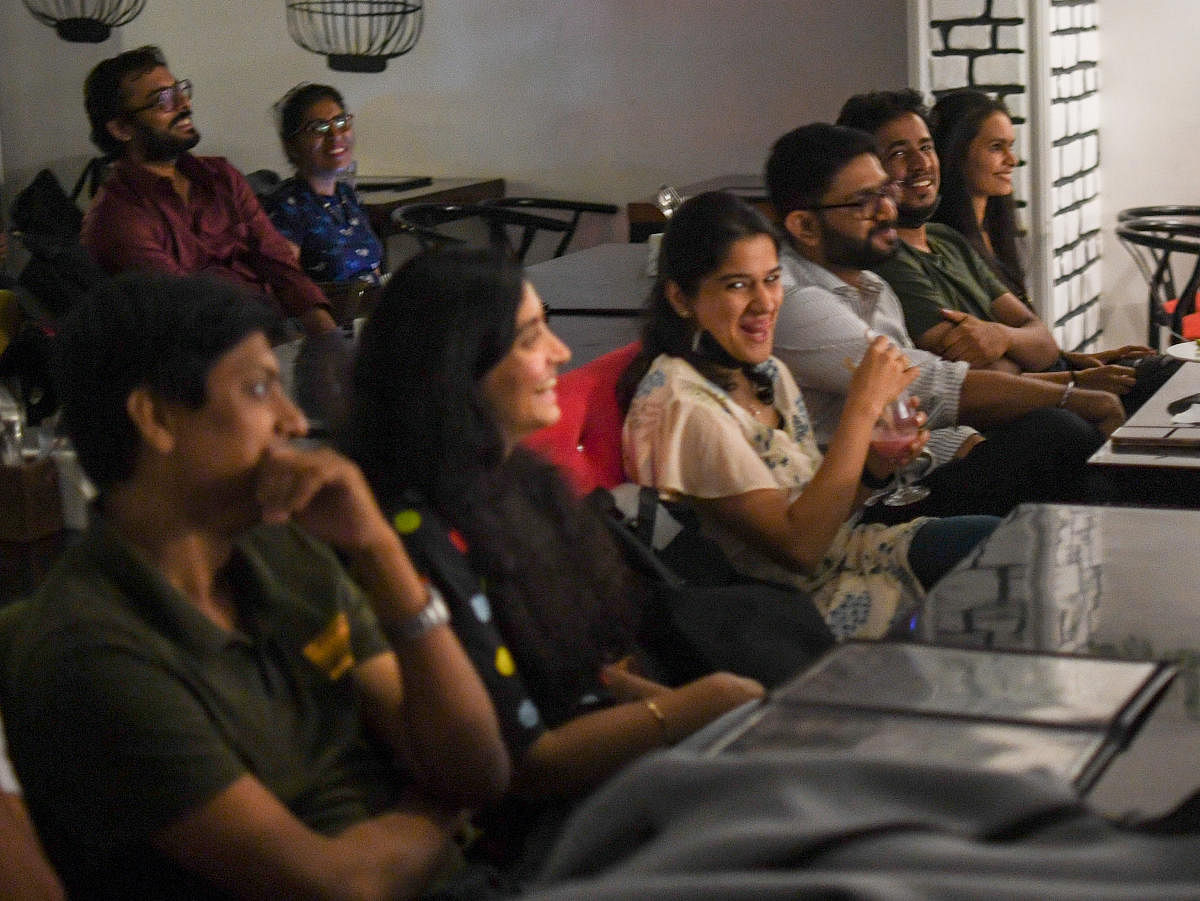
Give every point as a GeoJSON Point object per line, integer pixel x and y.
{"type": "Point", "coordinates": [421, 220]}
{"type": "Point", "coordinates": [1152, 235]}
{"type": "Point", "coordinates": [577, 208]}
{"type": "Point", "coordinates": [1157, 212]}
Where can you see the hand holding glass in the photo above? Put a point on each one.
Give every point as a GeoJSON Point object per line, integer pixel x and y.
{"type": "Point", "coordinates": [892, 438]}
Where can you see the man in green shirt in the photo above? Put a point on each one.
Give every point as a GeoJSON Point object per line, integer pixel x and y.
{"type": "Point", "coordinates": [199, 702]}
{"type": "Point", "coordinates": [953, 305]}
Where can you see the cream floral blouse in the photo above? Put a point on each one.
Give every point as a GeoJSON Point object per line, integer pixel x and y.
{"type": "Point", "coordinates": [687, 437]}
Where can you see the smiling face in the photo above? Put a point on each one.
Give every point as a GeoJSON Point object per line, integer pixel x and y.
{"type": "Point", "coordinates": [990, 159]}
{"type": "Point", "coordinates": [154, 134]}
{"type": "Point", "coordinates": [738, 303]}
{"type": "Point", "coordinates": [906, 148]}
{"type": "Point", "coordinates": [520, 389]}
{"type": "Point", "coordinates": [848, 241]}
{"type": "Point", "coordinates": [317, 155]}
{"type": "Point", "coordinates": [218, 447]}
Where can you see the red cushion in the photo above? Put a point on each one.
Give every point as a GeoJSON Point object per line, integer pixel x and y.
{"type": "Point", "coordinates": [586, 441]}
{"type": "Point", "coordinates": [1190, 326]}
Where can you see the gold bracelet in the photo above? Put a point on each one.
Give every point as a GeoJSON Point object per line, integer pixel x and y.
{"type": "Point", "coordinates": [657, 713]}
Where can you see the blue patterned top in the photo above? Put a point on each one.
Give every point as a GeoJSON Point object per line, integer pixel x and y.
{"type": "Point", "coordinates": [334, 233]}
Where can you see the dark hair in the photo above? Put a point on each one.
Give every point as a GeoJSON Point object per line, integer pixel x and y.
{"type": "Point", "coordinates": [697, 241]}
{"type": "Point", "coordinates": [291, 107]}
{"type": "Point", "coordinates": [443, 321]}
{"type": "Point", "coordinates": [954, 122]}
{"type": "Point", "coordinates": [159, 332]}
{"type": "Point", "coordinates": [871, 111]}
{"type": "Point", "coordinates": [418, 420]}
{"type": "Point", "coordinates": [102, 95]}
{"type": "Point", "coordinates": [805, 161]}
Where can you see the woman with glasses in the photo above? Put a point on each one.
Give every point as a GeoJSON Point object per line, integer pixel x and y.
{"type": "Point", "coordinates": [315, 209]}
{"type": "Point", "coordinates": [715, 419]}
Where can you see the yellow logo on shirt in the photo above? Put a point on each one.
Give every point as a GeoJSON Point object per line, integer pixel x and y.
{"type": "Point", "coordinates": [330, 650]}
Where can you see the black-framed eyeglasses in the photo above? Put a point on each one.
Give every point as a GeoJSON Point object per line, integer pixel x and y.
{"type": "Point", "coordinates": [169, 98]}
{"type": "Point", "coordinates": [319, 128]}
{"type": "Point", "coordinates": [866, 202]}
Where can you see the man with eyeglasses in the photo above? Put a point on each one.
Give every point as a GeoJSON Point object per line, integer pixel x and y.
{"type": "Point", "coordinates": [837, 206]}
{"type": "Point", "coordinates": [164, 209]}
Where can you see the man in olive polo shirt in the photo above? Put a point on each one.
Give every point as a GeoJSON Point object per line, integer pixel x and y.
{"type": "Point", "coordinates": [199, 702]}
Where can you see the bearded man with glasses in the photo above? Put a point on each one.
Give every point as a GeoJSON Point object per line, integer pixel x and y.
{"type": "Point", "coordinates": [838, 208]}
{"type": "Point", "coordinates": [163, 209]}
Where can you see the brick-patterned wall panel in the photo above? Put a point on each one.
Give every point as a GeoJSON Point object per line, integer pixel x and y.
{"type": "Point", "coordinates": [986, 44]}
{"type": "Point", "coordinates": [1075, 170]}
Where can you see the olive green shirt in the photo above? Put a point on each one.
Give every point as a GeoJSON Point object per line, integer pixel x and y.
{"type": "Point", "coordinates": [126, 707]}
{"type": "Point", "coordinates": [952, 276]}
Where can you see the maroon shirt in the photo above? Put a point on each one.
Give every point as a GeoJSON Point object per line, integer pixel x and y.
{"type": "Point", "coordinates": [139, 221]}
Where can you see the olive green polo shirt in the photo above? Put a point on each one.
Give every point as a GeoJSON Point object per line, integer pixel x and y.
{"type": "Point", "coordinates": [126, 707]}
{"type": "Point", "coordinates": [951, 276]}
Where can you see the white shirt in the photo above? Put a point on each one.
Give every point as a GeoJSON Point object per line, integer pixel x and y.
{"type": "Point", "coordinates": [825, 321]}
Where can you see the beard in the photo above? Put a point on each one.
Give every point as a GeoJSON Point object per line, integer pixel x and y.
{"type": "Point", "coordinates": [916, 216]}
{"type": "Point", "coordinates": [853, 253]}
{"type": "Point", "coordinates": [162, 146]}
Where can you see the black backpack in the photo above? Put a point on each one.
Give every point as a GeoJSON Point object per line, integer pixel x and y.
{"type": "Point", "coordinates": [703, 615]}
{"type": "Point", "coordinates": [58, 274]}
{"type": "Point", "coordinates": [48, 222]}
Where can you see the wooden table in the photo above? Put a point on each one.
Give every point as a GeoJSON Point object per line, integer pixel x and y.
{"type": "Point", "coordinates": [595, 297]}
{"type": "Point", "coordinates": [645, 218]}
{"type": "Point", "coordinates": [379, 204]}
{"type": "Point", "coordinates": [1159, 477]}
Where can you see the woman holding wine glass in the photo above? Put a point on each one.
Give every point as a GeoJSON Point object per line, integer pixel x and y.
{"type": "Point", "coordinates": [714, 418]}
{"type": "Point", "coordinates": [893, 438]}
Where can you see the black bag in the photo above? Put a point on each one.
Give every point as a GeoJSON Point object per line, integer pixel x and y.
{"type": "Point", "coordinates": [48, 222]}
{"type": "Point", "coordinates": [1150, 374]}
{"type": "Point", "coordinates": [703, 615]}
{"type": "Point", "coordinates": [27, 361]}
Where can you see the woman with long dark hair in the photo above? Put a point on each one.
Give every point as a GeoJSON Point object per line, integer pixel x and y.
{"type": "Point", "coordinates": [974, 138]}
{"type": "Point", "coordinates": [455, 366]}
{"type": "Point", "coordinates": [716, 419]}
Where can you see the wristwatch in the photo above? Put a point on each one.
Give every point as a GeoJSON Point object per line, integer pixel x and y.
{"type": "Point", "coordinates": [435, 613]}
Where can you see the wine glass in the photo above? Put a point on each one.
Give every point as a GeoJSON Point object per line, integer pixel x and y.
{"type": "Point", "coordinates": [668, 200]}
{"type": "Point", "coordinates": [891, 438]}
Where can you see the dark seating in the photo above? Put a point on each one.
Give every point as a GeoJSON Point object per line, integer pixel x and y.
{"type": "Point", "coordinates": [576, 208]}
{"type": "Point", "coordinates": [263, 182]}
{"type": "Point", "coordinates": [1156, 212]}
{"type": "Point", "coordinates": [1152, 235]}
{"type": "Point", "coordinates": [422, 221]}
{"type": "Point", "coordinates": [585, 443]}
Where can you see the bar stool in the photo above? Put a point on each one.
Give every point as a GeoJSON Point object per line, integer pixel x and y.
{"type": "Point", "coordinates": [1152, 234]}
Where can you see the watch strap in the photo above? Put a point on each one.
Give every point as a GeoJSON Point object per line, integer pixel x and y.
{"type": "Point", "coordinates": [435, 613]}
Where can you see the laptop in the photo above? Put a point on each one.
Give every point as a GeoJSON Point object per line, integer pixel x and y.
{"type": "Point", "coordinates": [1177, 437]}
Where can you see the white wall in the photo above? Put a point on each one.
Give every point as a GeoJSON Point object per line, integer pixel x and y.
{"type": "Point", "coordinates": [1150, 123]}
{"type": "Point", "coordinates": [41, 98]}
{"type": "Point", "coordinates": [596, 99]}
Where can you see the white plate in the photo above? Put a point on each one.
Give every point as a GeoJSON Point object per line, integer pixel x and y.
{"type": "Point", "coordinates": [1187, 351]}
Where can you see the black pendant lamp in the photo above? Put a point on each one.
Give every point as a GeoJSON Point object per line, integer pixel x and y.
{"type": "Point", "coordinates": [84, 21]}
{"type": "Point", "coordinates": [356, 35]}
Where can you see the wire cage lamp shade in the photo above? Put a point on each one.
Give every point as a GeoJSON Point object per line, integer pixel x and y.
{"type": "Point", "coordinates": [84, 21]}
{"type": "Point", "coordinates": [356, 35]}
